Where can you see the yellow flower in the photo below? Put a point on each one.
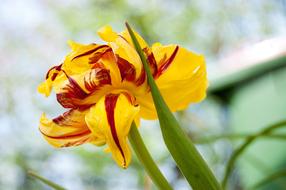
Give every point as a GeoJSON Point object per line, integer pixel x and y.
{"type": "Point", "coordinates": [104, 88]}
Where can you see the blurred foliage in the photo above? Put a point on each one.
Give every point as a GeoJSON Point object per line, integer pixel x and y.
{"type": "Point", "coordinates": [32, 38]}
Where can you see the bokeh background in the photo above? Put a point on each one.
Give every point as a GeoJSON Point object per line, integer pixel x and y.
{"type": "Point", "coordinates": [247, 87]}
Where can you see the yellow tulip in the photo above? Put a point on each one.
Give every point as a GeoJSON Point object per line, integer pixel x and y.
{"type": "Point", "coordinates": [105, 88]}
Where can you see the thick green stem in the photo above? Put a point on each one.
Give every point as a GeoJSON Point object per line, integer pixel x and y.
{"type": "Point", "coordinates": [188, 159]}
{"type": "Point", "coordinates": [146, 159]}
{"type": "Point", "coordinates": [46, 181]}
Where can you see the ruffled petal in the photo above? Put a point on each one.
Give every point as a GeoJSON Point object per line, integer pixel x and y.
{"type": "Point", "coordinates": [126, 56]}
{"type": "Point", "coordinates": [125, 34]}
{"type": "Point", "coordinates": [82, 91]}
{"type": "Point", "coordinates": [80, 59]}
{"type": "Point", "coordinates": [112, 116]}
{"type": "Point", "coordinates": [181, 78]}
{"type": "Point", "coordinates": [147, 107]}
{"type": "Point", "coordinates": [45, 87]}
{"type": "Point", "coordinates": [68, 130]}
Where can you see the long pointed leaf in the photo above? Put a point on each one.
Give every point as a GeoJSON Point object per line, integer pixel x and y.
{"type": "Point", "coordinates": [188, 159]}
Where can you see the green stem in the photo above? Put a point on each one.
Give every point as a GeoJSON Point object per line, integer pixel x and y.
{"type": "Point", "coordinates": [270, 178]}
{"type": "Point", "coordinates": [242, 147]}
{"type": "Point", "coordinates": [146, 159]}
{"type": "Point", "coordinates": [264, 169]}
{"type": "Point", "coordinates": [188, 159]}
{"type": "Point", "coordinates": [213, 138]}
{"type": "Point", "coordinates": [46, 181]}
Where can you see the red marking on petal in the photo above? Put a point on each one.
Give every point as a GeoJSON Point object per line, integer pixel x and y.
{"type": "Point", "coordinates": [77, 143]}
{"type": "Point", "coordinates": [74, 87]}
{"type": "Point", "coordinates": [124, 38]}
{"type": "Point", "coordinates": [110, 103]}
{"type": "Point", "coordinates": [98, 65]}
{"type": "Point", "coordinates": [130, 98]}
{"type": "Point", "coordinates": [54, 76]}
{"type": "Point", "coordinates": [127, 70]}
{"type": "Point", "coordinates": [90, 51]}
{"type": "Point", "coordinates": [141, 79]}
{"type": "Point", "coordinates": [89, 83]}
{"type": "Point", "coordinates": [83, 137]}
{"type": "Point", "coordinates": [66, 118]}
{"type": "Point", "coordinates": [103, 76]}
{"type": "Point", "coordinates": [62, 119]}
{"type": "Point", "coordinates": [166, 63]}
{"type": "Point", "coordinates": [152, 64]}
{"type": "Point", "coordinates": [70, 92]}
{"type": "Point", "coordinates": [67, 136]}
{"type": "Point", "coordinates": [57, 68]}
{"type": "Point", "coordinates": [151, 60]}
{"type": "Point", "coordinates": [95, 57]}
{"type": "Point", "coordinates": [99, 76]}
{"type": "Point", "coordinates": [67, 102]}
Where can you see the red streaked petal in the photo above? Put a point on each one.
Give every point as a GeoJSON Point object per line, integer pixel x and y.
{"type": "Point", "coordinates": [127, 70]}
{"type": "Point", "coordinates": [71, 93]}
{"type": "Point", "coordinates": [112, 116]}
{"type": "Point", "coordinates": [96, 79]}
{"type": "Point", "coordinates": [69, 129]}
{"type": "Point", "coordinates": [142, 78]}
{"type": "Point", "coordinates": [151, 60]}
{"type": "Point", "coordinates": [165, 63]}
{"type": "Point", "coordinates": [110, 103]}
{"type": "Point", "coordinates": [180, 71]}
{"type": "Point", "coordinates": [53, 72]}
{"type": "Point", "coordinates": [95, 49]}
{"type": "Point", "coordinates": [95, 57]}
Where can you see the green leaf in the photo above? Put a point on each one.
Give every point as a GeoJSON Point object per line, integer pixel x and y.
{"type": "Point", "coordinates": [270, 178]}
{"type": "Point", "coordinates": [238, 152]}
{"type": "Point", "coordinates": [45, 181]}
{"type": "Point", "coordinates": [262, 167]}
{"type": "Point", "coordinates": [188, 159]}
{"type": "Point", "coordinates": [234, 136]}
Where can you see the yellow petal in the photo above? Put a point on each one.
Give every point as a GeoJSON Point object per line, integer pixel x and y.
{"type": "Point", "coordinates": [45, 88]}
{"type": "Point", "coordinates": [107, 34]}
{"type": "Point", "coordinates": [125, 34]}
{"type": "Point", "coordinates": [84, 90]}
{"type": "Point", "coordinates": [112, 116]}
{"type": "Point", "coordinates": [121, 48]}
{"type": "Point", "coordinates": [125, 51]}
{"type": "Point", "coordinates": [147, 107]}
{"type": "Point", "coordinates": [53, 76]}
{"type": "Point", "coordinates": [68, 129]}
{"type": "Point", "coordinates": [107, 150]}
{"type": "Point", "coordinates": [81, 60]}
{"type": "Point", "coordinates": [78, 60]}
{"type": "Point", "coordinates": [74, 45]}
{"type": "Point", "coordinates": [181, 78]}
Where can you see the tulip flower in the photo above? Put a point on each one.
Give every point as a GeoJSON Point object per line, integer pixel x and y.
{"type": "Point", "coordinates": [104, 89]}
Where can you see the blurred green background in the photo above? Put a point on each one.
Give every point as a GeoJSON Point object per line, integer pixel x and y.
{"type": "Point", "coordinates": [33, 37]}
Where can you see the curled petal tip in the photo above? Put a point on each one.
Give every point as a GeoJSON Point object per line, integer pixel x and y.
{"type": "Point", "coordinates": [107, 34]}
{"type": "Point", "coordinates": [157, 44]}
{"type": "Point", "coordinates": [43, 117]}
{"type": "Point", "coordinates": [73, 45]}
{"type": "Point", "coordinates": [45, 89]}
{"type": "Point", "coordinates": [107, 150]}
